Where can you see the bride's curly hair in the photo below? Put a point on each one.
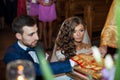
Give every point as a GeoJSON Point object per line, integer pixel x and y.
{"type": "Point", "coordinates": [65, 40]}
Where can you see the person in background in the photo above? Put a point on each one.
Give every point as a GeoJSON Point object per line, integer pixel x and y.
{"type": "Point", "coordinates": [2, 14]}
{"type": "Point", "coordinates": [108, 43]}
{"type": "Point", "coordinates": [21, 7]}
{"type": "Point", "coordinates": [72, 39]}
{"type": "Point", "coordinates": [11, 11]}
{"type": "Point", "coordinates": [26, 32]}
{"type": "Point", "coordinates": [47, 14]}
{"type": "Point", "coordinates": [33, 11]}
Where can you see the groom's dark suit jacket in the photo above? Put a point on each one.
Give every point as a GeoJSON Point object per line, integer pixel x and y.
{"type": "Point", "coordinates": [15, 52]}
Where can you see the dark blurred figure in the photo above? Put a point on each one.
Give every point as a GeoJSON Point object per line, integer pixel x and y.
{"type": "Point", "coordinates": [21, 7]}
{"type": "Point", "coordinates": [11, 11]}
{"type": "Point", "coordinates": [2, 12]}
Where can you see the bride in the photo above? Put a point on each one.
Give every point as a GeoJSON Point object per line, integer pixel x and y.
{"type": "Point", "coordinates": [72, 39]}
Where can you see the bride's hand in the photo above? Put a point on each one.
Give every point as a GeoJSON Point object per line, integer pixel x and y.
{"type": "Point", "coordinates": [89, 52]}
{"type": "Point", "coordinates": [103, 50]}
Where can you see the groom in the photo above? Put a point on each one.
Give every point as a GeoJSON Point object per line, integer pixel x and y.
{"type": "Point", "coordinates": [26, 32]}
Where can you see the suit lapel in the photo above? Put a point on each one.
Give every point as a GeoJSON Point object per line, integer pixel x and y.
{"type": "Point", "coordinates": [23, 53]}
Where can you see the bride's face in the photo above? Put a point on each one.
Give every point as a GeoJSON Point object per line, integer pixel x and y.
{"type": "Point", "coordinates": [78, 33]}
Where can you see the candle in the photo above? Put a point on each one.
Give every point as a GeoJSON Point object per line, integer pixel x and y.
{"type": "Point", "coordinates": [21, 77]}
{"type": "Point", "coordinates": [47, 73]}
{"type": "Point", "coordinates": [108, 62]}
{"type": "Point", "coordinates": [117, 17]}
{"type": "Point", "coordinates": [97, 54]}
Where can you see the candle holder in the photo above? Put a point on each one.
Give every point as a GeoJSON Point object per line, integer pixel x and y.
{"type": "Point", "coordinates": [20, 70]}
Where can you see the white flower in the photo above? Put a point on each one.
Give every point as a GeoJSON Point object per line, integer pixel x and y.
{"type": "Point", "coordinates": [108, 62]}
{"type": "Point", "coordinates": [97, 54]}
